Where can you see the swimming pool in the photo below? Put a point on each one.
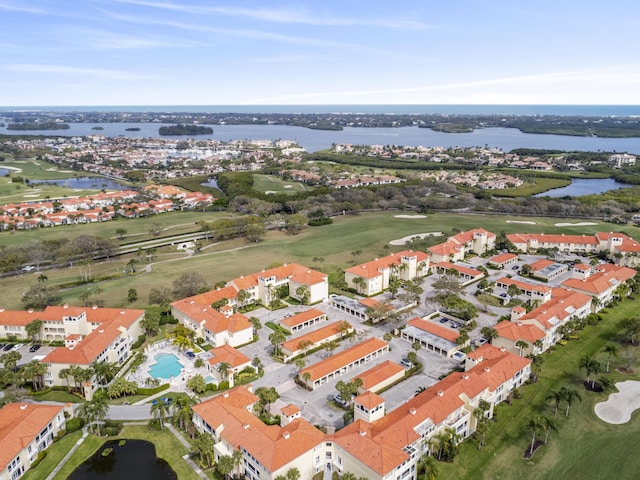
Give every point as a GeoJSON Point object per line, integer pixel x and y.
{"type": "Point", "coordinates": [209, 379]}
{"type": "Point", "coordinates": [167, 365]}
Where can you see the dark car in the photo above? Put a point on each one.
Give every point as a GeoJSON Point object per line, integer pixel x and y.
{"type": "Point", "coordinates": [2, 345]}
{"type": "Point", "coordinates": [34, 348]}
{"type": "Point", "coordinates": [7, 347]}
{"type": "Point", "coordinates": [191, 355]}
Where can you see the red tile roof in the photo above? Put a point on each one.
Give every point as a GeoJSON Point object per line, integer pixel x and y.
{"type": "Point", "coordinates": [20, 423]}
{"type": "Point", "coordinates": [315, 336]}
{"type": "Point", "coordinates": [378, 374]}
{"type": "Point", "coordinates": [337, 361]}
{"type": "Point", "coordinates": [430, 327]}
{"type": "Point", "coordinates": [228, 354]}
{"type": "Point", "coordinates": [302, 317]}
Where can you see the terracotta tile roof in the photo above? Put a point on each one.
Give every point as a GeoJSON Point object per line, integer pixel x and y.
{"type": "Point", "coordinates": [582, 266]}
{"type": "Point", "coordinates": [606, 277]}
{"type": "Point", "coordinates": [296, 272]}
{"type": "Point", "coordinates": [316, 336]}
{"type": "Point", "coordinates": [373, 303]}
{"type": "Point", "coordinates": [446, 248]}
{"type": "Point", "coordinates": [540, 264]}
{"type": "Point", "coordinates": [369, 400]}
{"type": "Point", "coordinates": [464, 237]}
{"type": "Point", "coordinates": [379, 373]}
{"type": "Point", "coordinates": [112, 321]}
{"type": "Point", "coordinates": [375, 267]}
{"type": "Point", "coordinates": [472, 272]}
{"type": "Point", "coordinates": [502, 258]}
{"type": "Point", "coordinates": [302, 317]}
{"type": "Point", "coordinates": [20, 423]}
{"type": "Point", "coordinates": [430, 327]}
{"type": "Point", "coordinates": [290, 410]}
{"type": "Point", "coordinates": [273, 446]}
{"type": "Point", "coordinates": [519, 331]}
{"type": "Point", "coordinates": [207, 298]}
{"type": "Point", "coordinates": [543, 238]}
{"type": "Point", "coordinates": [558, 309]}
{"type": "Point", "coordinates": [19, 317]}
{"type": "Point", "coordinates": [344, 358]}
{"type": "Point", "coordinates": [214, 321]}
{"type": "Point", "coordinates": [228, 354]}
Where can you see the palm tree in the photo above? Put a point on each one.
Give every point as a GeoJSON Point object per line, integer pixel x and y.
{"type": "Point", "coordinates": [558, 397]}
{"type": "Point", "coordinates": [361, 283]}
{"type": "Point", "coordinates": [429, 467]}
{"type": "Point", "coordinates": [606, 383]}
{"type": "Point", "coordinates": [521, 345]}
{"type": "Point", "coordinates": [569, 396]}
{"type": "Point", "coordinates": [205, 446]}
{"type": "Point", "coordinates": [489, 333]}
{"type": "Point", "coordinates": [591, 366]}
{"type": "Point", "coordinates": [419, 390]}
{"type": "Point", "coordinates": [346, 476]}
{"type": "Point", "coordinates": [611, 349]}
{"type": "Point", "coordinates": [225, 465]}
{"type": "Point", "coordinates": [294, 474]}
{"type": "Point", "coordinates": [548, 425]}
{"type": "Point", "coordinates": [223, 369]}
{"type": "Point", "coordinates": [159, 409]}
{"type": "Point", "coordinates": [535, 425]}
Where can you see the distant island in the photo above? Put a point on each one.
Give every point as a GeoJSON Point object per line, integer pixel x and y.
{"type": "Point", "coordinates": [132, 129]}
{"type": "Point", "coordinates": [97, 128]}
{"type": "Point", "coordinates": [38, 126]}
{"type": "Point", "coordinates": [183, 129]}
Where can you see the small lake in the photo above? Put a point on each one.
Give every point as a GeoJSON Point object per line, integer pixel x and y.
{"type": "Point", "coordinates": [211, 183]}
{"type": "Point", "coordinates": [4, 172]}
{"type": "Point", "coordinates": [84, 183]}
{"type": "Point", "coordinates": [585, 186]}
{"type": "Point", "coordinates": [135, 459]}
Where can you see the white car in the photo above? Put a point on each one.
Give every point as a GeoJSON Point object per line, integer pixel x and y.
{"type": "Point", "coordinates": [17, 347]}
{"type": "Point", "coordinates": [28, 268]}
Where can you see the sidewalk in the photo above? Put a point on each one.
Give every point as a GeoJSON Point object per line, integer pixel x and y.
{"type": "Point", "coordinates": [85, 433]}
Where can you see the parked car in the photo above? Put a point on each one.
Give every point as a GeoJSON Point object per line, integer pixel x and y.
{"type": "Point", "coordinates": [406, 363]}
{"type": "Point", "coordinates": [17, 347]}
{"type": "Point", "coordinates": [515, 267]}
{"type": "Point", "coordinates": [191, 355]}
{"type": "Point", "coordinates": [34, 348]}
{"type": "Point", "coordinates": [2, 345]}
{"type": "Point", "coordinates": [7, 347]}
{"type": "Point", "coordinates": [28, 268]}
{"type": "Point", "coordinates": [443, 320]}
{"type": "Point", "coordinates": [343, 403]}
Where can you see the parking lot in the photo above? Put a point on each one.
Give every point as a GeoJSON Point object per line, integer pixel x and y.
{"type": "Point", "coordinates": [26, 352]}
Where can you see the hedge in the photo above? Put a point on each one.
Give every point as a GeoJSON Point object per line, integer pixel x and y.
{"type": "Point", "coordinates": [153, 390]}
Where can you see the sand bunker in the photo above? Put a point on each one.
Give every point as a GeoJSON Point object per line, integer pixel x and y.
{"type": "Point", "coordinates": [579, 224]}
{"type": "Point", "coordinates": [619, 407]}
{"type": "Point", "coordinates": [403, 240]}
{"type": "Point", "coordinates": [31, 195]}
{"type": "Point", "coordinates": [410, 216]}
{"type": "Point", "coordinates": [526, 222]}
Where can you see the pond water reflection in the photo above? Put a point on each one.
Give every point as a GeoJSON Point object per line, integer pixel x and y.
{"type": "Point", "coordinates": [134, 459]}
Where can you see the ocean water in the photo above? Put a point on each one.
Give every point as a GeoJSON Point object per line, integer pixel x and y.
{"type": "Point", "coordinates": [567, 110]}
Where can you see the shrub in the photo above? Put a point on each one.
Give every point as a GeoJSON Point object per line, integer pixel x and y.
{"type": "Point", "coordinates": [152, 391]}
{"type": "Point", "coordinates": [139, 342]}
{"type": "Point", "coordinates": [223, 385]}
{"type": "Point", "coordinates": [154, 424]}
{"type": "Point", "coordinates": [41, 456]}
{"type": "Point", "coordinates": [74, 424]}
{"type": "Point", "coordinates": [111, 431]}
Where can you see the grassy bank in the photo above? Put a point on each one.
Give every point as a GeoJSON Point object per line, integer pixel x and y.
{"type": "Point", "coordinates": [583, 447]}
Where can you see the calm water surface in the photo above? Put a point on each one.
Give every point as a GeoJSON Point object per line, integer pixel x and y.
{"type": "Point", "coordinates": [585, 186]}
{"type": "Point", "coordinates": [136, 459]}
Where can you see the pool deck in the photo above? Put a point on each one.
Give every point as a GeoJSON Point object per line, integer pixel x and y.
{"type": "Point", "coordinates": [176, 383]}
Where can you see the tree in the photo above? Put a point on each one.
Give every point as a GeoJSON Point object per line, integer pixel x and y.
{"type": "Point", "coordinates": [40, 296]}
{"type": "Point", "coordinates": [277, 338]}
{"type": "Point", "coordinates": [521, 345]}
{"type": "Point", "coordinates": [132, 295]}
{"type": "Point", "coordinates": [121, 232]}
{"type": "Point", "coordinates": [295, 223]}
{"type": "Point", "coordinates": [607, 384]}
{"type": "Point", "coordinates": [223, 369]}
{"type": "Point", "coordinates": [591, 366]}
{"type": "Point", "coordinates": [611, 349]}
{"type": "Point", "coordinates": [482, 421]}
{"type": "Point", "coordinates": [569, 396]}
{"type": "Point", "coordinates": [205, 446]}
{"type": "Point", "coordinates": [197, 384]}
{"type": "Point", "coordinates": [267, 396]}
{"type": "Point", "coordinates": [448, 284]}
{"type": "Point", "coordinates": [360, 283]}
{"type": "Point", "coordinates": [557, 397]}
{"type": "Point", "coordinates": [394, 286]}
{"type": "Point", "coordinates": [33, 329]}
{"type": "Point", "coordinates": [631, 326]}
{"type": "Point", "coordinates": [547, 426]}
{"type": "Point", "coordinates": [160, 295]}
{"type": "Point", "coordinates": [318, 261]}
{"type": "Point", "coordinates": [489, 333]}
{"type": "Point", "coordinates": [159, 409]}
{"type": "Point", "coordinates": [294, 474]}
{"type": "Point", "coordinates": [429, 468]}
{"type": "Point", "coordinates": [151, 322]}
{"type": "Point", "coordinates": [188, 285]}
{"type": "Point", "coordinates": [302, 292]}
{"type": "Point", "coordinates": [535, 425]}
{"type": "Point", "coordinates": [514, 290]}
{"type": "Point", "coordinates": [355, 254]}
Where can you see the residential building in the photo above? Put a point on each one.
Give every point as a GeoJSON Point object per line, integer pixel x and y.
{"type": "Point", "coordinates": [380, 376]}
{"type": "Point", "coordinates": [432, 336]}
{"type": "Point", "coordinates": [373, 277]}
{"type": "Point", "coordinates": [548, 270]}
{"type": "Point", "coordinates": [26, 429]}
{"type": "Point", "coordinates": [340, 363]}
{"type": "Point", "coordinates": [236, 361]}
{"type": "Point", "coordinates": [467, 275]}
{"type": "Point", "coordinates": [503, 260]}
{"type": "Point", "coordinates": [303, 320]}
{"type": "Point", "coordinates": [534, 291]}
{"type": "Point", "coordinates": [298, 345]}
{"type": "Point", "coordinates": [603, 285]}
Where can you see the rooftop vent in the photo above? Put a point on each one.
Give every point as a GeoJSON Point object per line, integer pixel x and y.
{"type": "Point", "coordinates": [363, 433]}
{"type": "Point", "coordinates": [465, 376]}
{"type": "Point", "coordinates": [30, 310]}
{"type": "Point", "coordinates": [65, 306]}
{"type": "Point", "coordinates": [487, 369]}
{"type": "Point", "coordinates": [440, 393]}
{"type": "Point", "coordinates": [94, 307]}
{"type": "Point", "coordinates": [286, 435]}
{"type": "Point", "coordinates": [23, 406]}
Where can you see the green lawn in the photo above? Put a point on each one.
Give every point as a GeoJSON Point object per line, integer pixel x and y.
{"type": "Point", "coordinates": [334, 243]}
{"type": "Point", "coordinates": [584, 446]}
{"type": "Point", "coordinates": [55, 454]}
{"type": "Point", "coordinates": [273, 183]}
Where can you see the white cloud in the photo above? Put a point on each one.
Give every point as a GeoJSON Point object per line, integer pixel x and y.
{"type": "Point", "coordinates": [282, 15]}
{"type": "Point", "coordinates": [70, 70]}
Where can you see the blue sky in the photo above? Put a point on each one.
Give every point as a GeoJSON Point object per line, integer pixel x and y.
{"type": "Point", "coordinates": [200, 52]}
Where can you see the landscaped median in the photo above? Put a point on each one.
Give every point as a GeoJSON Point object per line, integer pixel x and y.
{"type": "Point", "coordinates": [584, 446]}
